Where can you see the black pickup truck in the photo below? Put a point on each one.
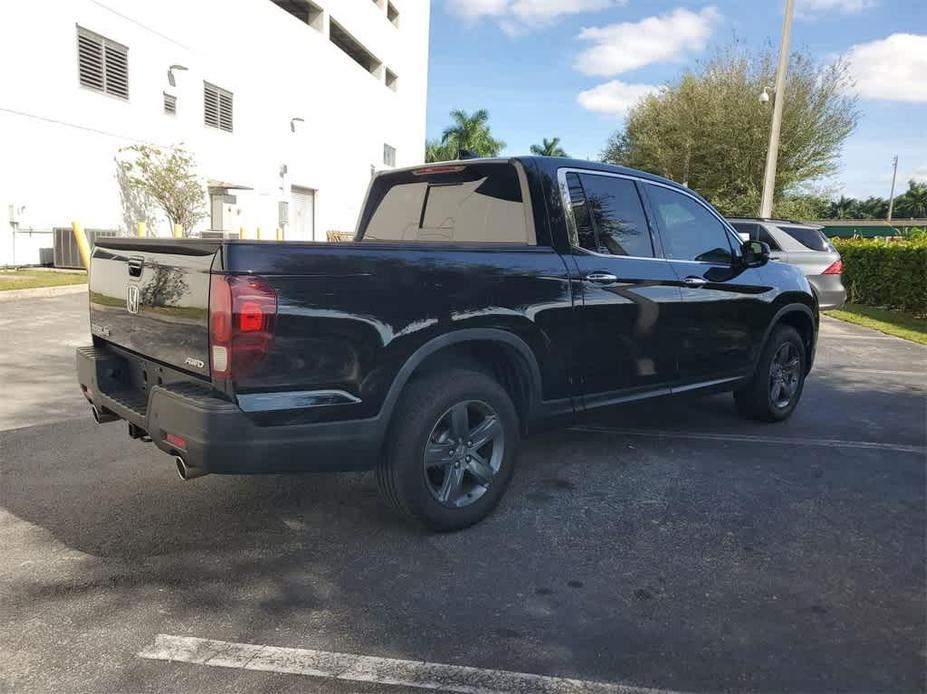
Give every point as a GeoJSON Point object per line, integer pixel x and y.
{"type": "Point", "coordinates": [479, 300]}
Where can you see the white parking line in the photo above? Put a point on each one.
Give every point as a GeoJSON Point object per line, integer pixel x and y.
{"type": "Point", "coordinates": [363, 668]}
{"type": "Point", "coordinates": [746, 438]}
{"type": "Point", "coordinates": [879, 372]}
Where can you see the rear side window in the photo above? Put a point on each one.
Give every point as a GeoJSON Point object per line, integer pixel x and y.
{"type": "Point", "coordinates": [756, 232]}
{"type": "Point", "coordinates": [609, 215]}
{"type": "Point", "coordinates": [812, 239]}
{"type": "Point", "coordinates": [473, 203]}
{"type": "Point", "coordinates": [689, 230]}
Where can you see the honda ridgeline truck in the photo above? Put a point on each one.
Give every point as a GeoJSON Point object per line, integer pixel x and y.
{"type": "Point", "coordinates": [479, 300]}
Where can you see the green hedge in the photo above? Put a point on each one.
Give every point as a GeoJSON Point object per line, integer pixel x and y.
{"type": "Point", "coordinates": [885, 273]}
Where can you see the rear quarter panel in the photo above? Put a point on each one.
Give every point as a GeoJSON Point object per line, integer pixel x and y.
{"type": "Point", "coordinates": [350, 315]}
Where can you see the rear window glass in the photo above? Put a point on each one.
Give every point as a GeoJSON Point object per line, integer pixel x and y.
{"type": "Point", "coordinates": [812, 239]}
{"type": "Point", "coordinates": [479, 203]}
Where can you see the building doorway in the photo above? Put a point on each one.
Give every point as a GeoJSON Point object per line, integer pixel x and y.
{"type": "Point", "coordinates": [302, 214]}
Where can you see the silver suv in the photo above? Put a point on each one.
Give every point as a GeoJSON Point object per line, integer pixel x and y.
{"type": "Point", "coordinates": [806, 247]}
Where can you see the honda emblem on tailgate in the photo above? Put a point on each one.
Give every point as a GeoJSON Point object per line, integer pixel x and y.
{"type": "Point", "coordinates": [132, 298]}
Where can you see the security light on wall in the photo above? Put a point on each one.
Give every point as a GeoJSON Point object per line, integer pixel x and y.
{"type": "Point", "coordinates": [294, 121]}
{"type": "Point", "coordinates": [170, 73]}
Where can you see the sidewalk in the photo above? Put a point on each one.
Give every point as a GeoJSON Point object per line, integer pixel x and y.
{"type": "Point", "coordinates": [41, 292]}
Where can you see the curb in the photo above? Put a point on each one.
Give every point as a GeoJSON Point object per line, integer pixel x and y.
{"type": "Point", "coordinates": [42, 292]}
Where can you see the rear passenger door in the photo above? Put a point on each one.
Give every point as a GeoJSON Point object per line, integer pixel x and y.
{"type": "Point", "coordinates": [726, 313]}
{"type": "Point", "coordinates": [629, 294]}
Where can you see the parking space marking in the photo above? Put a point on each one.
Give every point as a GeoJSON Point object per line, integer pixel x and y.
{"type": "Point", "coordinates": [880, 372]}
{"type": "Point", "coordinates": [747, 438]}
{"type": "Point", "coordinates": [362, 668]}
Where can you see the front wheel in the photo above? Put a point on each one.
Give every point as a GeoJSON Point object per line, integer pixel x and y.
{"type": "Point", "coordinates": [451, 450]}
{"type": "Point", "coordinates": [776, 387]}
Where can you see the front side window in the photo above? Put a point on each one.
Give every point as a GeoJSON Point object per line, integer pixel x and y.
{"type": "Point", "coordinates": [474, 203]}
{"type": "Point", "coordinates": [609, 215]}
{"type": "Point", "coordinates": [689, 230]}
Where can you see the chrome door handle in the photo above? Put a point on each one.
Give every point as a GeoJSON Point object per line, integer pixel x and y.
{"type": "Point", "coordinates": [601, 278]}
{"type": "Point", "coordinates": [695, 281]}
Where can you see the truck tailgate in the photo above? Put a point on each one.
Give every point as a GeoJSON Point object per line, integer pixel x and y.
{"type": "Point", "coordinates": [151, 296]}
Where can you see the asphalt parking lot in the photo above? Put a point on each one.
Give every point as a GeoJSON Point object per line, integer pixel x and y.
{"type": "Point", "coordinates": [671, 546]}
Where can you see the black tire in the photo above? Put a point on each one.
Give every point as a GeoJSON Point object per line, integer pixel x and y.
{"type": "Point", "coordinates": [760, 398]}
{"type": "Point", "coordinates": [420, 419]}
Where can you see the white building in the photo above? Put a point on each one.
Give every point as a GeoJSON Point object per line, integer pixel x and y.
{"type": "Point", "coordinates": [287, 106]}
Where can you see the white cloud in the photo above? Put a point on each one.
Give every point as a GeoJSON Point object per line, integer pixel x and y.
{"type": "Point", "coordinates": [626, 46]}
{"type": "Point", "coordinates": [893, 68]}
{"type": "Point", "coordinates": [519, 16]}
{"type": "Point", "coordinates": [813, 8]}
{"type": "Point", "coordinates": [614, 98]}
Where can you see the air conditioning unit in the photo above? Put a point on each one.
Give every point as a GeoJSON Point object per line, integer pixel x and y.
{"type": "Point", "coordinates": [66, 253]}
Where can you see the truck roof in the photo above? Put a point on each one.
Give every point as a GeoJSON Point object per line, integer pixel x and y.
{"type": "Point", "coordinates": [548, 164]}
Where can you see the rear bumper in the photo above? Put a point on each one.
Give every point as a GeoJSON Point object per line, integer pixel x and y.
{"type": "Point", "coordinates": [218, 437]}
{"type": "Point", "coordinates": [829, 290]}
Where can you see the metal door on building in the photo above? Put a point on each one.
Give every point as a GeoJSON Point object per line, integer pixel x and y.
{"type": "Point", "coordinates": [302, 215]}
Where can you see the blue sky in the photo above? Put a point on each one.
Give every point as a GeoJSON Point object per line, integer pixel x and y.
{"type": "Point", "coordinates": [570, 67]}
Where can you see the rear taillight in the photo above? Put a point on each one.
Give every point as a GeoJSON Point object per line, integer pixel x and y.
{"type": "Point", "coordinates": [835, 269]}
{"type": "Point", "coordinates": [242, 311]}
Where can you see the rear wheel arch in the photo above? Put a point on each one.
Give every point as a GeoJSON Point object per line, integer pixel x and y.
{"type": "Point", "coordinates": [498, 353]}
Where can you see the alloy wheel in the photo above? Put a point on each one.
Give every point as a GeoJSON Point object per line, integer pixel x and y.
{"type": "Point", "coordinates": [463, 453]}
{"type": "Point", "coordinates": [784, 375]}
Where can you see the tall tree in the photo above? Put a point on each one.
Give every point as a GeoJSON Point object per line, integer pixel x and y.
{"type": "Point", "coordinates": [435, 150]}
{"type": "Point", "coordinates": [913, 202]}
{"type": "Point", "coordinates": [709, 130]}
{"type": "Point", "coordinates": [549, 148]}
{"type": "Point", "coordinates": [471, 131]}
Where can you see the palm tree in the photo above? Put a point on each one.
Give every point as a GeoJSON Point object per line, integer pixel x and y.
{"type": "Point", "coordinates": [913, 202]}
{"type": "Point", "coordinates": [435, 151]}
{"type": "Point", "coordinates": [471, 132]}
{"type": "Point", "coordinates": [844, 208]}
{"type": "Point", "coordinates": [549, 148]}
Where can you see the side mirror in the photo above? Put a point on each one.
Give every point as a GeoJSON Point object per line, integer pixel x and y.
{"type": "Point", "coordinates": [755, 253]}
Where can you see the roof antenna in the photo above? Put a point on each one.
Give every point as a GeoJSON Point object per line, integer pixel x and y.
{"type": "Point", "coordinates": [467, 154]}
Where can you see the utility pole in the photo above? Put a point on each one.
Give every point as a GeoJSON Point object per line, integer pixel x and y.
{"type": "Point", "coordinates": [772, 154]}
{"type": "Point", "coordinates": [891, 197]}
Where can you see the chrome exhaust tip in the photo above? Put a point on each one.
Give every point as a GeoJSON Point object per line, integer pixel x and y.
{"type": "Point", "coordinates": [185, 472]}
{"type": "Point", "coordinates": [102, 416]}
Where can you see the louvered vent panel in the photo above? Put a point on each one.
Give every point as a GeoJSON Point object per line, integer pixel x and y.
{"type": "Point", "coordinates": [117, 70]}
{"type": "Point", "coordinates": [225, 110]}
{"type": "Point", "coordinates": [102, 64]}
{"type": "Point", "coordinates": [90, 60]}
{"type": "Point", "coordinates": [211, 105]}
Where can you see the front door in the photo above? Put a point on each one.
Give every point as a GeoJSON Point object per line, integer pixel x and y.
{"type": "Point", "coordinates": [629, 295]}
{"type": "Point", "coordinates": [725, 312]}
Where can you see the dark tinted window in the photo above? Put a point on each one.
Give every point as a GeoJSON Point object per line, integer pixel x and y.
{"type": "Point", "coordinates": [609, 215]}
{"type": "Point", "coordinates": [469, 203]}
{"type": "Point", "coordinates": [812, 239]}
{"type": "Point", "coordinates": [757, 232]}
{"type": "Point", "coordinates": [584, 230]}
{"type": "Point", "coordinates": [689, 230]}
